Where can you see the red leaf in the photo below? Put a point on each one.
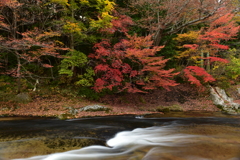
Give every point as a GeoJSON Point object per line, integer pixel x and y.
{"type": "Point", "coordinates": [191, 71]}
{"type": "Point", "coordinates": [133, 73]}
{"type": "Point", "coordinates": [214, 59]}
{"type": "Point", "coordinates": [220, 46]}
{"type": "Point", "coordinates": [191, 46]}
{"type": "Point", "coordinates": [101, 67]}
{"type": "Point", "coordinates": [47, 66]}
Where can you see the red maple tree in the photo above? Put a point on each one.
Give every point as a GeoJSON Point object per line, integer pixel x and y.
{"type": "Point", "coordinates": [222, 29]}
{"type": "Point", "coordinates": [130, 65]}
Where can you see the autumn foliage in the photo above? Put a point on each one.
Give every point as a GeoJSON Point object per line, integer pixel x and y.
{"type": "Point", "coordinates": [164, 18]}
{"type": "Point", "coordinates": [209, 40]}
{"type": "Point", "coordinates": [193, 73]}
{"type": "Point", "coordinates": [222, 29]}
{"type": "Point", "coordinates": [120, 23]}
{"type": "Point", "coordinates": [118, 45]}
{"type": "Point", "coordinates": [130, 65]}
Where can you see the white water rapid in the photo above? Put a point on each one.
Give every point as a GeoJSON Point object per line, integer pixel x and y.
{"type": "Point", "coordinates": [139, 143]}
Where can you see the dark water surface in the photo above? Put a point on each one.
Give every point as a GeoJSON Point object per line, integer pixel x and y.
{"type": "Point", "coordinates": [175, 136]}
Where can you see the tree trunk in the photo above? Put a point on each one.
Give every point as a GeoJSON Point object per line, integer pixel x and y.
{"type": "Point", "coordinates": [158, 37]}
{"type": "Point", "coordinates": [202, 56]}
{"type": "Point", "coordinates": [208, 63]}
{"type": "Point", "coordinates": [18, 74]}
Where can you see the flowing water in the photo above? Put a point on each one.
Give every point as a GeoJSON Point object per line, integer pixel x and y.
{"type": "Point", "coordinates": [182, 136]}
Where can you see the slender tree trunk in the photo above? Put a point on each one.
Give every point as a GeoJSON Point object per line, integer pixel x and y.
{"type": "Point", "coordinates": [72, 38]}
{"type": "Point", "coordinates": [14, 35]}
{"type": "Point", "coordinates": [18, 74]}
{"type": "Point", "coordinates": [72, 21]}
{"type": "Point", "coordinates": [208, 63]}
{"type": "Point", "coordinates": [202, 60]}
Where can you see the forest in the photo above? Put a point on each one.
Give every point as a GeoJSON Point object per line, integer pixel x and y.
{"type": "Point", "coordinates": [97, 47]}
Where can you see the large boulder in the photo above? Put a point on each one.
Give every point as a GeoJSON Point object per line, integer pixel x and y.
{"type": "Point", "coordinates": [22, 98]}
{"type": "Point", "coordinates": [224, 102]}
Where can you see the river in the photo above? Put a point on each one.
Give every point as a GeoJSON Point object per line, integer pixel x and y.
{"type": "Point", "coordinates": [174, 136]}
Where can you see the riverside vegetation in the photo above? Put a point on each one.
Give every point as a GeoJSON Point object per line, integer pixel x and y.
{"type": "Point", "coordinates": [67, 103]}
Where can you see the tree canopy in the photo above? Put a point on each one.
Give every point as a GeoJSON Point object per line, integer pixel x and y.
{"type": "Point", "coordinates": [119, 46]}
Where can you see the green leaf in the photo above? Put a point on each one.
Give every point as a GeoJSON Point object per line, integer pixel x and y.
{"type": "Point", "coordinates": [74, 59]}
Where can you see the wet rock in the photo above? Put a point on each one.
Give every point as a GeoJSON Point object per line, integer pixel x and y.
{"type": "Point", "coordinates": [94, 108]}
{"type": "Point", "coordinates": [71, 113]}
{"type": "Point", "coordinates": [65, 116]}
{"type": "Point", "coordinates": [166, 109]}
{"type": "Point", "coordinates": [224, 102]}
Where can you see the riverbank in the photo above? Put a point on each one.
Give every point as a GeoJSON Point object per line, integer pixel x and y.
{"type": "Point", "coordinates": [180, 98]}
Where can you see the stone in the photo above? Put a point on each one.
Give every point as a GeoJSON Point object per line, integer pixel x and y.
{"type": "Point", "coordinates": [65, 116]}
{"type": "Point", "coordinates": [22, 98]}
{"type": "Point", "coordinates": [94, 108]}
{"type": "Point", "coordinates": [224, 102]}
{"type": "Point", "coordinates": [5, 109]}
{"type": "Point", "coordinates": [73, 111]}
